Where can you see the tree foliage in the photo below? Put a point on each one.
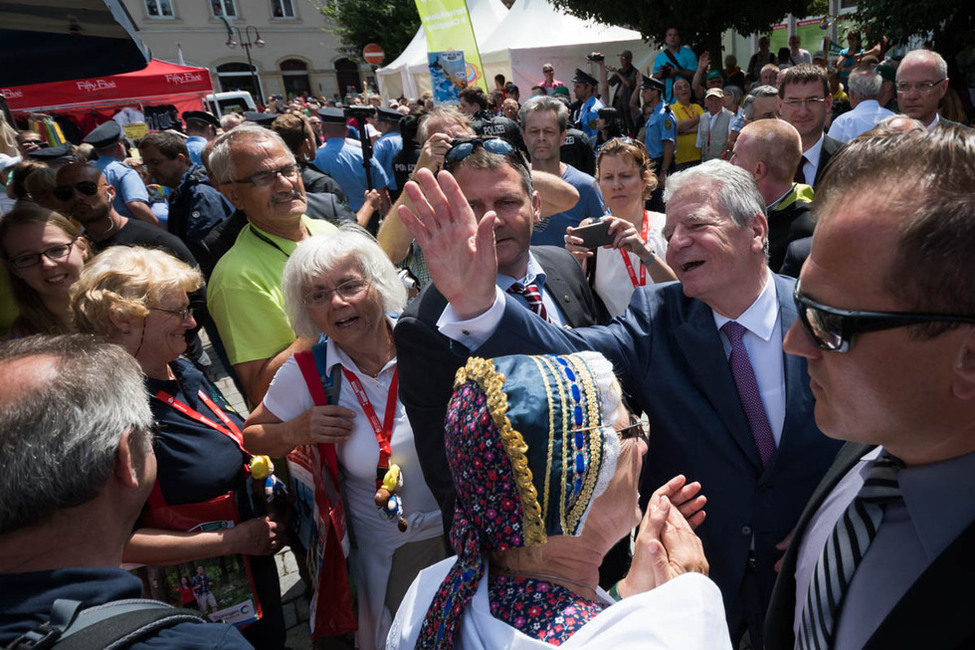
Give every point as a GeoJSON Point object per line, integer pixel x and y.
{"type": "Point", "coordinates": [390, 23]}
{"type": "Point", "coordinates": [701, 23]}
{"type": "Point", "coordinates": [949, 24]}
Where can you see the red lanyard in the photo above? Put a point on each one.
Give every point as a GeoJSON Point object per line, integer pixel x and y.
{"type": "Point", "coordinates": [384, 429]}
{"type": "Point", "coordinates": [626, 256]}
{"type": "Point", "coordinates": [229, 429]}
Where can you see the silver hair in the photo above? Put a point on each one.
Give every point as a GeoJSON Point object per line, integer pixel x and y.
{"type": "Point", "coordinates": [732, 187]}
{"type": "Point", "coordinates": [928, 56]}
{"type": "Point", "coordinates": [447, 114]}
{"type": "Point", "coordinates": [545, 103]}
{"type": "Point", "coordinates": [864, 82]}
{"type": "Point", "coordinates": [320, 255]}
{"type": "Point", "coordinates": [61, 432]}
{"type": "Point", "coordinates": [736, 93]}
{"type": "Point", "coordinates": [758, 91]}
{"type": "Point", "coordinates": [221, 161]}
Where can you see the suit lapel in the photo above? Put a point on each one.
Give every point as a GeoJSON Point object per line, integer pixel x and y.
{"type": "Point", "coordinates": [560, 290]}
{"type": "Point", "coordinates": [798, 410]}
{"type": "Point", "coordinates": [699, 342]}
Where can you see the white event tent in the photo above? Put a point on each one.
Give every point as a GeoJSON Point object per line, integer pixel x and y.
{"type": "Point", "coordinates": [534, 33]}
{"type": "Point", "coordinates": [409, 75]}
{"type": "Point", "coordinates": [517, 43]}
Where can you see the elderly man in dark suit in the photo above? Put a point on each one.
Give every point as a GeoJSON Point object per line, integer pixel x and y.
{"type": "Point", "coordinates": [804, 102]}
{"type": "Point", "coordinates": [888, 331]}
{"type": "Point", "coordinates": [552, 287]}
{"type": "Point", "coordinates": [703, 358]}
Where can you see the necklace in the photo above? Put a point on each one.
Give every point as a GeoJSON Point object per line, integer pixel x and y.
{"type": "Point", "coordinates": [112, 225]}
{"type": "Point", "coordinates": [546, 577]}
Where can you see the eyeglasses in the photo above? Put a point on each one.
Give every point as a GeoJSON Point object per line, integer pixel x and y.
{"type": "Point", "coordinates": [268, 178]}
{"type": "Point", "coordinates": [347, 291]}
{"type": "Point", "coordinates": [808, 102]}
{"type": "Point", "coordinates": [65, 192]}
{"type": "Point", "coordinates": [463, 148]}
{"type": "Point", "coordinates": [183, 314]}
{"type": "Point", "coordinates": [921, 86]}
{"type": "Point", "coordinates": [635, 430]}
{"type": "Point", "coordinates": [54, 253]}
{"type": "Point", "coordinates": [40, 144]}
{"type": "Point", "coordinates": [832, 328]}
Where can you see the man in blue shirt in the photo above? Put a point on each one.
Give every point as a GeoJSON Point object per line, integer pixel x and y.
{"type": "Point", "coordinates": [201, 127]}
{"type": "Point", "coordinates": [131, 197]}
{"type": "Point", "coordinates": [343, 161]}
{"type": "Point", "coordinates": [544, 121]}
{"type": "Point", "coordinates": [674, 61]}
{"type": "Point", "coordinates": [584, 85]}
{"type": "Point", "coordinates": [660, 136]}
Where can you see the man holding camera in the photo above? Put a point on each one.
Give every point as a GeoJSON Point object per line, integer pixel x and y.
{"type": "Point", "coordinates": [674, 61]}
{"type": "Point", "coordinates": [625, 78]}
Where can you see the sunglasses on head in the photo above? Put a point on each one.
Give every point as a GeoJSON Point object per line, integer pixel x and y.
{"type": "Point", "coordinates": [832, 328]}
{"type": "Point", "coordinates": [65, 192]}
{"type": "Point", "coordinates": [463, 148]}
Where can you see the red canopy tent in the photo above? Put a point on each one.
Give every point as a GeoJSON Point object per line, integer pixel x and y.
{"type": "Point", "coordinates": [158, 83]}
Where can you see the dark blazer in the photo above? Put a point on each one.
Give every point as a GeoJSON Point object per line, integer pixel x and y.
{"type": "Point", "coordinates": [936, 611]}
{"type": "Point", "coordinates": [669, 356]}
{"type": "Point", "coordinates": [428, 361]}
{"type": "Point", "coordinates": [830, 147]}
{"type": "Point", "coordinates": [795, 257]}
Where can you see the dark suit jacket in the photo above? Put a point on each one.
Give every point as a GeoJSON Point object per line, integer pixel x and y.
{"type": "Point", "coordinates": [428, 361]}
{"type": "Point", "coordinates": [669, 356]}
{"type": "Point", "coordinates": [936, 611]}
{"type": "Point", "coordinates": [830, 147]}
{"type": "Point", "coordinates": [795, 257]}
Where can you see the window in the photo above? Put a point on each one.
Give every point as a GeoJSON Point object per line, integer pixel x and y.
{"type": "Point", "coordinates": [225, 8]}
{"type": "Point", "coordinates": [240, 76]}
{"type": "Point", "coordinates": [282, 8]}
{"type": "Point", "coordinates": [295, 75]}
{"type": "Point", "coordinates": [159, 8]}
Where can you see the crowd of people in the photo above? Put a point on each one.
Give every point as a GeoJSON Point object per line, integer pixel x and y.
{"type": "Point", "coordinates": [654, 362]}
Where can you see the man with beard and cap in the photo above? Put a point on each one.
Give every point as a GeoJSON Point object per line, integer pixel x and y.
{"type": "Point", "coordinates": [86, 196]}
{"type": "Point", "coordinates": [585, 115]}
{"type": "Point", "coordinates": [201, 127]}
{"type": "Point", "coordinates": [131, 199]}
{"type": "Point", "coordinates": [256, 171]}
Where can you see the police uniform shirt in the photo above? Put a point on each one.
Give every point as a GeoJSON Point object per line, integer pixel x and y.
{"type": "Point", "coordinates": [588, 113]}
{"type": "Point", "coordinates": [661, 125]}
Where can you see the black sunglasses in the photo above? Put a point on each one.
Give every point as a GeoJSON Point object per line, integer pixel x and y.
{"type": "Point", "coordinates": [832, 328]}
{"type": "Point", "coordinates": [463, 148]}
{"type": "Point", "coordinates": [65, 192]}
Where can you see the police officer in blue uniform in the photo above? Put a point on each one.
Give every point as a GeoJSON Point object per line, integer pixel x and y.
{"type": "Point", "coordinates": [584, 86]}
{"type": "Point", "coordinates": [660, 136]}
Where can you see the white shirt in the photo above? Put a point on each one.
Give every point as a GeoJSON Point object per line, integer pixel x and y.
{"type": "Point", "coordinates": [763, 341]}
{"type": "Point", "coordinates": [535, 275]}
{"type": "Point", "coordinates": [867, 114]}
{"type": "Point", "coordinates": [812, 160]}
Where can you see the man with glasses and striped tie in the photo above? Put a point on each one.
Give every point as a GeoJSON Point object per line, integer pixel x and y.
{"type": "Point", "coordinates": [882, 556]}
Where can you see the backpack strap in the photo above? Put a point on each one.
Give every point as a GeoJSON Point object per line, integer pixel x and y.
{"type": "Point", "coordinates": [113, 625]}
{"type": "Point", "coordinates": [323, 386]}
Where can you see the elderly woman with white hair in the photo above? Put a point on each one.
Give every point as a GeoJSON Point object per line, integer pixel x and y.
{"type": "Point", "coordinates": [344, 287]}
{"type": "Point", "coordinates": [547, 461]}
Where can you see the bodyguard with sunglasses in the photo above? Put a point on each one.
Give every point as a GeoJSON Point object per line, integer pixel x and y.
{"type": "Point", "coordinates": [887, 326]}
{"type": "Point", "coordinates": [703, 358]}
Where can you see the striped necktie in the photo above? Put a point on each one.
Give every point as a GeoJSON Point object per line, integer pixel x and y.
{"type": "Point", "coordinates": [532, 296]}
{"type": "Point", "coordinates": [844, 549]}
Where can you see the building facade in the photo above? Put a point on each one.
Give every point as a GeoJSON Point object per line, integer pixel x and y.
{"type": "Point", "coordinates": [291, 44]}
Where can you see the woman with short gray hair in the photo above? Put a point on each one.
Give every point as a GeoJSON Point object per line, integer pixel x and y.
{"type": "Point", "coordinates": [342, 287]}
